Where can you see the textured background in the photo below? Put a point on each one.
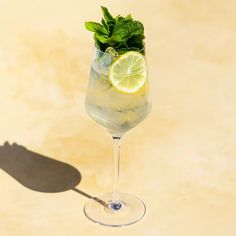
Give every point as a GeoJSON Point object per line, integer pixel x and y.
{"type": "Point", "coordinates": [181, 160]}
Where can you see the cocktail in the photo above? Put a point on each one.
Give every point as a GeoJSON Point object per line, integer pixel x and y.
{"type": "Point", "coordinates": [117, 99]}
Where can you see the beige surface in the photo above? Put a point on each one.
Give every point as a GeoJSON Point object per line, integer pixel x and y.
{"type": "Point", "coordinates": [181, 160]}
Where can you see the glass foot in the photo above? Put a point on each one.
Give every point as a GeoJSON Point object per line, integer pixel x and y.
{"type": "Point", "coordinates": [103, 211]}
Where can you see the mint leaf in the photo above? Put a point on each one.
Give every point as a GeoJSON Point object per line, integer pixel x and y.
{"type": "Point", "coordinates": [136, 41]}
{"type": "Point", "coordinates": [96, 27]}
{"type": "Point", "coordinates": [128, 17]}
{"type": "Point", "coordinates": [108, 20]}
{"type": "Point", "coordinates": [98, 44]}
{"type": "Point", "coordinates": [101, 38]}
{"type": "Point", "coordinates": [104, 23]}
{"type": "Point", "coordinates": [113, 40]}
{"type": "Point", "coordinates": [106, 14]}
{"type": "Point", "coordinates": [125, 29]}
{"type": "Point", "coordinates": [119, 18]}
{"type": "Point", "coordinates": [123, 44]}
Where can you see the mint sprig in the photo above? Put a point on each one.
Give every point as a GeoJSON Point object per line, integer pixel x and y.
{"type": "Point", "coordinates": [121, 33]}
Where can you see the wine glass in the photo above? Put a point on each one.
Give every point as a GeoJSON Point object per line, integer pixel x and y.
{"type": "Point", "coordinates": [117, 111]}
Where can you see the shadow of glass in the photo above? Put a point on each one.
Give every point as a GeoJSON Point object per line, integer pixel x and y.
{"type": "Point", "coordinates": [37, 172]}
{"type": "Point", "coordinates": [40, 173]}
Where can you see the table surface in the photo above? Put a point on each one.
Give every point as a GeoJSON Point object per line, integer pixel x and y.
{"type": "Point", "coordinates": [181, 161]}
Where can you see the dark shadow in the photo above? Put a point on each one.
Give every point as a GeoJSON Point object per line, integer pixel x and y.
{"type": "Point", "coordinates": [40, 173]}
{"type": "Point", "coordinates": [105, 204]}
{"type": "Point", "coordinates": [37, 172]}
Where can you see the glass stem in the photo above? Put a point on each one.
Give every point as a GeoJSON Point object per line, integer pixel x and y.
{"type": "Point", "coordinates": [115, 203]}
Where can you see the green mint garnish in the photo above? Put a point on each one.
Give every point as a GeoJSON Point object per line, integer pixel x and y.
{"type": "Point", "coordinates": [121, 33]}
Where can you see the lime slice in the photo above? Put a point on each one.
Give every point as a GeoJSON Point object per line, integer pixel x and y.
{"type": "Point", "coordinates": [128, 72]}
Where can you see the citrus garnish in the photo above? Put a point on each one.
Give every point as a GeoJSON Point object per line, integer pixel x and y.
{"type": "Point", "coordinates": [128, 72]}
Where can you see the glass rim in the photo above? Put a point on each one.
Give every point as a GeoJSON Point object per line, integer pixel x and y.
{"type": "Point", "coordinates": [106, 53]}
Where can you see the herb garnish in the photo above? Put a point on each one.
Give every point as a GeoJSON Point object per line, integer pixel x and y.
{"type": "Point", "coordinates": [121, 33]}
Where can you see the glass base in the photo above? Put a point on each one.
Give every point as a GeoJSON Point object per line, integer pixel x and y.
{"type": "Point", "coordinates": [101, 210]}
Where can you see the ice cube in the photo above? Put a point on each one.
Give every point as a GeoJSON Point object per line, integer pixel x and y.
{"type": "Point", "coordinates": [104, 60]}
